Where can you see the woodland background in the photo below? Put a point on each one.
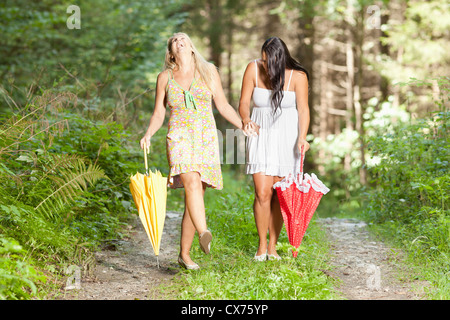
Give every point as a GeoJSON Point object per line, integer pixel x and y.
{"type": "Point", "coordinates": [75, 102]}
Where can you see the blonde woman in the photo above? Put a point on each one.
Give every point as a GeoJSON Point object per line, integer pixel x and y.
{"type": "Point", "coordinates": [188, 85]}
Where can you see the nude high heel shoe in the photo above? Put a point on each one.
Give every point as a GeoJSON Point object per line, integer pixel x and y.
{"type": "Point", "coordinates": [187, 266]}
{"type": "Point", "coordinates": [205, 241]}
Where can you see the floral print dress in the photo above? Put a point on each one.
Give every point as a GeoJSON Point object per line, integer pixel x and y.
{"type": "Point", "coordinates": [192, 141]}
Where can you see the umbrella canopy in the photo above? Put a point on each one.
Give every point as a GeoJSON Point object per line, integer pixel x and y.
{"type": "Point", "coordinates": [149, 193]}
{"type": "Point", "coordinates": [299, 195]}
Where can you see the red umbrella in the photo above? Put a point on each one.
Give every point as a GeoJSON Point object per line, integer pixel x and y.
{"type": "Point", "coordinates": [299, 195]}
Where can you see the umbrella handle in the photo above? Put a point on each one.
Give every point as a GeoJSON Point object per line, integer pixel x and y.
{"type": "Point", "coordinates": [302, 159]}
{"type": "Point", "coordinates": [146, 151]}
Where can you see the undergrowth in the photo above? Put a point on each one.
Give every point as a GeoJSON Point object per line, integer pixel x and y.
{"type": "Point", "coordinates": [64, 189]}
{"type": "Point", "coordinates": [407, 201]}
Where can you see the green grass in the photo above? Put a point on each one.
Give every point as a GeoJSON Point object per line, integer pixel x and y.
{"type": "Point", "coordinates": [424, 263]}
{"type": "Point", "coordinates": [230, 272]}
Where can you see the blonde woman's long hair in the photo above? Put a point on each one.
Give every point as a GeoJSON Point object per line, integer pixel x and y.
{"type": "Point", "coordinates": [203, 67]}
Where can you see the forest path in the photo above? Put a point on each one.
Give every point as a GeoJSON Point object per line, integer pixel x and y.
{"type": "Point", "coordinates": [127, 269]}
{"type": "Point", "coordinates": [368, 269]}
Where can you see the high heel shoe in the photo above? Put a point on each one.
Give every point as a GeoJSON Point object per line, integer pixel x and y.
{"type": "Point", "coordinates": [262, 257]}
{"type": "Point", "coordinates": [205, 241]}
{"type": "Point", "coordinates": [187, 266]}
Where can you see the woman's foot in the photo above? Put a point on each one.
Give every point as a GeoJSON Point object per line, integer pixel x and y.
{"type": "Point", "coordinates": [275, 256]}
{"type": "Point", "coordinates": [261, 257]}
{"type": "Point", "coordinates": [272, 253]}
{"type": "Point", "coordinates": [191, 265]}
{"type": "Point", "coordinates": [261, 253]}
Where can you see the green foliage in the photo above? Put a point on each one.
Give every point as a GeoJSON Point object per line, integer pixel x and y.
{"type": "Point", "coordinates": [412, 179]}
{"type": "Point", "coordinates": [43, 246]}
{"type": "Point", "coordinates": [65, 153]}
{"type": "Point", "coordinates": [408, 199]}
{"type": "Point", "coordinates": [422, 37]}
{"type": "Point", "coordinates": [70, 183]}
{"type": "Point", "coordinates": [58, 199]}
{"type": "Point", "coordinates": [17, 278]}
{"type": "Point", "coordinates": [335, 148]}
{"type": "Point", "coordinates": [34, 231]}
{"type": "Point", "coordinates": [119, 44]}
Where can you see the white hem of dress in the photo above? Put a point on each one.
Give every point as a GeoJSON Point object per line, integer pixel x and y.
{"type": "Point", "coordinates": [309, 181]}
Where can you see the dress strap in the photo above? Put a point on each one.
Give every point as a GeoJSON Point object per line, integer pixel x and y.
{"type": "Point", "coordinates": [289, 83]}
{"type": "Point", "coordinates": [169, 72]}
{"type": "Point", "coordinates": [256, 73]}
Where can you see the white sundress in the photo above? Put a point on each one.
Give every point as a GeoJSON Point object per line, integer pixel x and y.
{"type": "Point", "coordinates": [274, 151]}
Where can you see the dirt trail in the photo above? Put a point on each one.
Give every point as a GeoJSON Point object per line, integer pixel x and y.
{"type": "Point", "coordinates": [127, 269]}
{"type": "Point", "coordinates": [368, 269]}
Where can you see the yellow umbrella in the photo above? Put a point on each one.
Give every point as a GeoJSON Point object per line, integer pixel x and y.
{"type": "Point", "coordinates": [149, 193]}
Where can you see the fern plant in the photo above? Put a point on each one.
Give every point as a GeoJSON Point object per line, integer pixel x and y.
{"type": "Point", "coordinates": [70, 179]}
{"type": "Point", "coordinates": [50, 182]}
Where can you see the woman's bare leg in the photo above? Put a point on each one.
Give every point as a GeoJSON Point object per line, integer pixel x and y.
{"type": "Point", "coordinates": [194, 213]}
{"type": "Point", "coordinates": [275, 224]}
{"type": "Point", "coordinates": [195, 206]}
{"type": "Point", "coordinates": [261, 208]}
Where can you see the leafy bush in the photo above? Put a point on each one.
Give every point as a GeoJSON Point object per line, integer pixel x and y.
{"type": "Point", "coordinates": [17, 278]}
{"type": "Point", "coordinates": [411, 181]}
{"type": "Point", "coordinates": [407, 200]}
{"type": "Point", "coordinates": [64, 185]}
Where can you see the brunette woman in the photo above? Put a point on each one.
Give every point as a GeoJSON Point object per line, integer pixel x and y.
{"type": "Point", "coordinates": [278, 86]}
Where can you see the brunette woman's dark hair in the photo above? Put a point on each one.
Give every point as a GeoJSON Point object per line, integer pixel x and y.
{"type": "Point", "coordinates": [278, 59]}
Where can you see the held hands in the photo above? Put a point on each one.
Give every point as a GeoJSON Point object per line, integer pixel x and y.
{"type": "Point", "coordinates": [250, 128]}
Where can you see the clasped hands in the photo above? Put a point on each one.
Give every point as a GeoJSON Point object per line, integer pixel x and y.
{"type": "Point", "coordinates": [250, 128]}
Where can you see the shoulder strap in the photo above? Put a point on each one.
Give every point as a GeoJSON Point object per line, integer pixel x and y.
{"type": "Point", "coordinates": [290, 77]}
{"type": "Point", "coordinates": [256, 73]}
{"type": "Point", "coordinates": [170, 77]}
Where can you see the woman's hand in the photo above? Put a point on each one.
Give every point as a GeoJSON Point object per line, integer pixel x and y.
{"type": "Point", "coordinates": [250, 128]}
{"type": "Point", "coordinates": [302, 143]}
{"type": "Point", "coordinates": [145, 141]}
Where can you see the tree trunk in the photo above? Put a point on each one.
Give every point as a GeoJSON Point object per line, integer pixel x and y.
{"type": "Point", "coordinates": [359, 30]}
{"type": "Point", "coordinates": [350, 63]}
{"type": "Point", "coordinates": [305, 55]}
{"type": "Point", "coordinates": [229, 62]}
{"type": "Point", "coordinates": [215, 31]}
{"type": "Point", "coordinates": [323, 123]}
{"type": "Point", "coordinates": [384, 50]}
{"type": "Point", "coordinates": [349, 90]}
